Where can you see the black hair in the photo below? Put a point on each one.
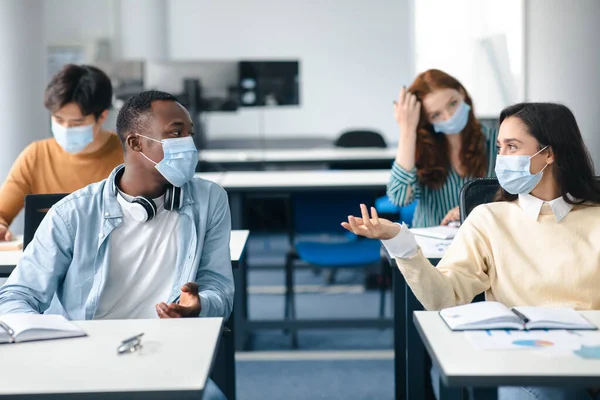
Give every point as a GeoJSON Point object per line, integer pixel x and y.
{"type": "Point", "coordinates": [84, 85]}
{"type": "Point", "coordinates": [134, 114]}
{"type": "Point", "coordinates": [554, 125]}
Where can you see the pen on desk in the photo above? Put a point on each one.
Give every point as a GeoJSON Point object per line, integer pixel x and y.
{"type": "Point", "coordinates": [130, 345]}
{"type": "Point", "coordinates": [520, 315]}
{"type": "Point", "coordinates": [133, 338]}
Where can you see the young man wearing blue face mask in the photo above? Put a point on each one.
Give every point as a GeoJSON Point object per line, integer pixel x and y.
{"type": "Point", "coordinates": [79, 153]}
{"type": "Point", "coordinates": [151, 241]}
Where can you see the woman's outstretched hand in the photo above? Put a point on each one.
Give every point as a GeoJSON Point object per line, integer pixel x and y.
{"type": "Point", "coordinates": [371, 227]}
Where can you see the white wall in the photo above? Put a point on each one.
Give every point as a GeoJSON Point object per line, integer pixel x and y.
{"type": "Point", "coordinates": [563, 60]}
{"type": "Point", "coordinates": [73, 21]}
{"type": "Point", "coordinates": [478, 42]}
{"type": "Point", "coordinates": [142, 29]}
{"type": "Point", "coordinates": [354, 54]}
{"type": "Point", "coordinates": [22, 71]}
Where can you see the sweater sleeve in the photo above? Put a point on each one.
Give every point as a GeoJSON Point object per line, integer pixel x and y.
{"type": "Point", "coordinates": [17, 185]}
{"type": "Point", "coordinates": [403, 187]}
{"type": "Point", "coordinates": [459, 277]}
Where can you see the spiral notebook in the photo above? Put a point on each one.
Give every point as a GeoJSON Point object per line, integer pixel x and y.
{"type": "Point", "coordinates": [493, 315]}
{"type": "Point", "coordinates": [17, 328]}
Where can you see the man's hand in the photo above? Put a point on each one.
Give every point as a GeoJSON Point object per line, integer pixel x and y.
{"type": "Point", "coordinates": [189, 304]}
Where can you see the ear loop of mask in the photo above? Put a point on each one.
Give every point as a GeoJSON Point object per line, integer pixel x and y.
{"type": "Point", "coordinates": [159, 141]}
{"type": "Point", "coordinates": [536, 155]}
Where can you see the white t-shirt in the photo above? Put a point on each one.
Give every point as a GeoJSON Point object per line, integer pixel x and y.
{"type": "Point", "coordinates": [141, 271]}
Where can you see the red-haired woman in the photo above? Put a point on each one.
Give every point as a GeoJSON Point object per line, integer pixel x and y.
{"type": "Point", "coordinates": [441, 147]}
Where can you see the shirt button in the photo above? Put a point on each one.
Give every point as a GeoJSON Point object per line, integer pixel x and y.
{"type": "Point", "coordinates": [101, 235]}
{"type": "Point", "coordinates": [106, 214]}
{"type": "Point", "coordinates": [119, 221]}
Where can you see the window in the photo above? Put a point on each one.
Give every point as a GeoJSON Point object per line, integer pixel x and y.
{"type": "Point", "coordinates": [478, 42]}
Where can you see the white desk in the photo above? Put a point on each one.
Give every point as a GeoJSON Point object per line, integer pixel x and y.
{"type": "Point", "coordinates": [463, 365]}
{"type": "Point", "coordinates": [237, 244]}
{"type": "Point", "coordinates": [302, 180]}
{"type": "Point", "coordinates": [299, 156]}
{"type": "Point", "coordinates": [240, 184]}
{"type": "Point", "coordinates": [174, 363]}
{"type": "Point", "coordinates": [210, 176]}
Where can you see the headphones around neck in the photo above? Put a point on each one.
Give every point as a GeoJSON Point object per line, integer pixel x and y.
{"type": "Point", "coordinates": [143, 209]}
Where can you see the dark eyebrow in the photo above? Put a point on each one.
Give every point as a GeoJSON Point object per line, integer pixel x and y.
{"type": "Point", "coordinates": [176, 124]}
{"type": "Point", "coordinates": [509, 140]}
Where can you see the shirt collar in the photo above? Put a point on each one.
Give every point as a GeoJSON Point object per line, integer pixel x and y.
{"type": "Point", "coordinates": [532, 206]}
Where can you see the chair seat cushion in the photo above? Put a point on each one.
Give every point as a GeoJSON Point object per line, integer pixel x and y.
{"type": "Point", "coordinates": [383, 205]}
{"type": "Point", "coordinates": [354, 253]}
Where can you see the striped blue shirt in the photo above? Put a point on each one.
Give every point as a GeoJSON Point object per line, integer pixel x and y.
{"type": "Point", "coordinates": [434, 204]}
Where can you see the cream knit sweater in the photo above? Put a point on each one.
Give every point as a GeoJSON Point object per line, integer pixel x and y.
{"type": "Point", "coordinates": [515, 260]}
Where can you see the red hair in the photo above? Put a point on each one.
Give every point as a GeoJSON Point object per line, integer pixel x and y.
{"type": "Point", "coordinates": [432, 157]}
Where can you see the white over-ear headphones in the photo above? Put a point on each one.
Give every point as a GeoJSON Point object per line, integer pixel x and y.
{"type": "Point", "coordinates": [143, 209]}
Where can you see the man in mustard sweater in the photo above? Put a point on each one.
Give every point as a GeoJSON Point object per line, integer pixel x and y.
{"type": "Point", "coordinates": [80, 153]}
{"type": "Point", "coordinates": [538, 246]}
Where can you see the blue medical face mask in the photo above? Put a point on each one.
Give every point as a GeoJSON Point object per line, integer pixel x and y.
{"type": "Point", "coordinates": [180, 159]}
{"type": "Point", "coordinates": [75, 139]}
{"type": "Point", "coordinates": [456, 123]}
{"type": "Point", "coordinates": [513, 173]}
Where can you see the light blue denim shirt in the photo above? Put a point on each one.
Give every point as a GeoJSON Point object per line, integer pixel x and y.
{"type": "Point", "coordinates": [68, 259]}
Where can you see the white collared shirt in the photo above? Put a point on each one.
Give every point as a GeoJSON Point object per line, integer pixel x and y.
{"type": "Point", "coordinates": [404, 245]}
{"type": "Point", "coordinates": [532, 206]}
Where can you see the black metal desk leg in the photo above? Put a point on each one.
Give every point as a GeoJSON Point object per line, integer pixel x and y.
{"type": "Point", "coordinates": [237, 212]}
{"type": "Point", "coordinates": [240, 314]}
{"type": "Point", "coordinates": [482, 393]}
{"type": "Point", "coordinates": [399, 287]}
{"type": "Point", "coordinates": [447, 393]}
{"type": "Point", "coordinates": [416, 367]}
{"type": "Point", "coordinates": [240, 308]}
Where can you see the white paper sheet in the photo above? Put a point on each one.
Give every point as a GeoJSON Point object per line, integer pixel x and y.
{"type": "Point", "coordinates": [554, 341]}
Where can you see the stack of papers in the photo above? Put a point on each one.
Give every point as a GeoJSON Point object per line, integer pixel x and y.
{"type": "Point", "coordinates": [436, 232]}
{"type": "Point", "coordinates": [555, 341]}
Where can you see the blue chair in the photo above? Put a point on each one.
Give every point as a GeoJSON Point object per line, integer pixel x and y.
{"type": "Point", "coordinates": [386, 208]}
{"type": "Point", "coordinates": [322, 213]}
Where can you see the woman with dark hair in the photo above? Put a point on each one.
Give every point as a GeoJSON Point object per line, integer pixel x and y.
{"type": "Point", "coordinates": [520, 251]}
{"type": "Point", "coordinates": [441, 147]}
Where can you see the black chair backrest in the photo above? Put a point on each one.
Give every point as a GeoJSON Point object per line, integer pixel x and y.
{"type": "Point", "coordinates": [36, 207]}
{"type": "Point", "coordinates": [476, 192]}
{"type": "Point", "coordinates": [360, 139]}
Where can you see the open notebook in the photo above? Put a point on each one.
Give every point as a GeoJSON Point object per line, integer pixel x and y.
{"type": "Point", "coordinates": [16, 328]}
{"type": "Point", "coordinates": [437, 232]}
{"type": "Point", "coordinates": [494, 315]}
